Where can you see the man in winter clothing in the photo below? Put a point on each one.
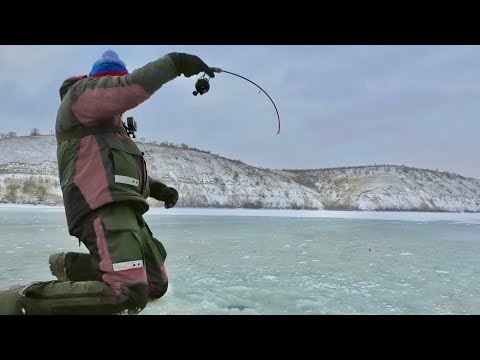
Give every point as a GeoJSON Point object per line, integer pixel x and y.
{"type": "Point", "coordinates": [104, 180]}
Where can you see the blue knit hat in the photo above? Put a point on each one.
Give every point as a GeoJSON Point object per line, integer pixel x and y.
{"type": "Point", "coordinates": [109, 64]}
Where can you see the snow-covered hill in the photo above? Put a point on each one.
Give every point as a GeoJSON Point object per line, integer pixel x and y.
{"type": "Point", "coordinates": [202, 179]}
{"type": "Point", "coordinates": [392, 188]}
{"type": "Point", "coordinates": [28, 174]}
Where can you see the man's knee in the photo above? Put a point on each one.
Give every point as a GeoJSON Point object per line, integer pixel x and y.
{"type": "Point", "coordinates": [137, 297]}
{"type": "Point", "coordinates": [157, 281]}
{"type": "Point", "coordinates": [156, 292]}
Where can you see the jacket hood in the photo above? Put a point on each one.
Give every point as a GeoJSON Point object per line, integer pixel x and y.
{"type": "Point", "coordinates": [68, 83]}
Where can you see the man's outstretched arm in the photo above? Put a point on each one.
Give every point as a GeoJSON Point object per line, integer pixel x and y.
{"type": "Point", "coordinates": [108, 96]}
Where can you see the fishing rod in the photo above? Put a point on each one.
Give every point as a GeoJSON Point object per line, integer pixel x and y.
{"type": "Point", "coordinates": [202, 86]}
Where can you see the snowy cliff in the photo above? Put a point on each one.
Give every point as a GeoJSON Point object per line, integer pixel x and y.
{"type": "Point", "coordinates": [28, 174]}
{"type": "Point", "coordinates": [392, 188]}
{"type": "Point", "coordinates": [202, 179]}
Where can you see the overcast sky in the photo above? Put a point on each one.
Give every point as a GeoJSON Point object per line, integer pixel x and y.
{"type": "Point", "coordinates": [339, 105]}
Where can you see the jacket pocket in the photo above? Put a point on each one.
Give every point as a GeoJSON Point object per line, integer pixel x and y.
{"type": "Point", "coordinates": [121, 240]}
{"type": "Point", "coordinates": [120, 218]}
{"type": "Point", "coordinates": [128, 164]}
{"type": "Point", "coordinates": [126, 169]}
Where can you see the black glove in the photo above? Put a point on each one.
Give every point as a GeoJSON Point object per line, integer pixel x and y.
{"type": "Point", "coordinates": [189, 65]}
{"type": "Point", "coordinates": [171, 197]}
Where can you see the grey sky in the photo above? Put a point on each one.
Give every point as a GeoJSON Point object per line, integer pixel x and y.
{"type": "Point", "coordinates": [339, 105]}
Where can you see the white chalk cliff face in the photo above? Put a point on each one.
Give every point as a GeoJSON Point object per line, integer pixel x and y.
{"type": "Point", "coordinates": [28, 175]}
{"type": "Point", "coordinates": [392, 188]}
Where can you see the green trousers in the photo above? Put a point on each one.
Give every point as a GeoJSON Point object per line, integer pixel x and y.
{"type": "Point", "coordinates": [124, 269]}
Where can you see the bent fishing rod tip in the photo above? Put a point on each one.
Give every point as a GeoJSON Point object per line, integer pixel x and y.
{"type": "Point", "coordinates": [218, 70]}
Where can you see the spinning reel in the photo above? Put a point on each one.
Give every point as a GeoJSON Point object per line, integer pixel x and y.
{"type": "Point", "coordinates": [202, 85]}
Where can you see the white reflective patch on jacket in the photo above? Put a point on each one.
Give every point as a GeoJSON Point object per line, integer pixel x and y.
{"type": "Point", "coordinates": [127, 265]}
{"type": "Point", "coordinates": [126, 180]}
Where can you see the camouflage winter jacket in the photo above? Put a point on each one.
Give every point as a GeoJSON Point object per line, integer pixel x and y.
{"type": "Point", "coordinates": [106, 166]}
